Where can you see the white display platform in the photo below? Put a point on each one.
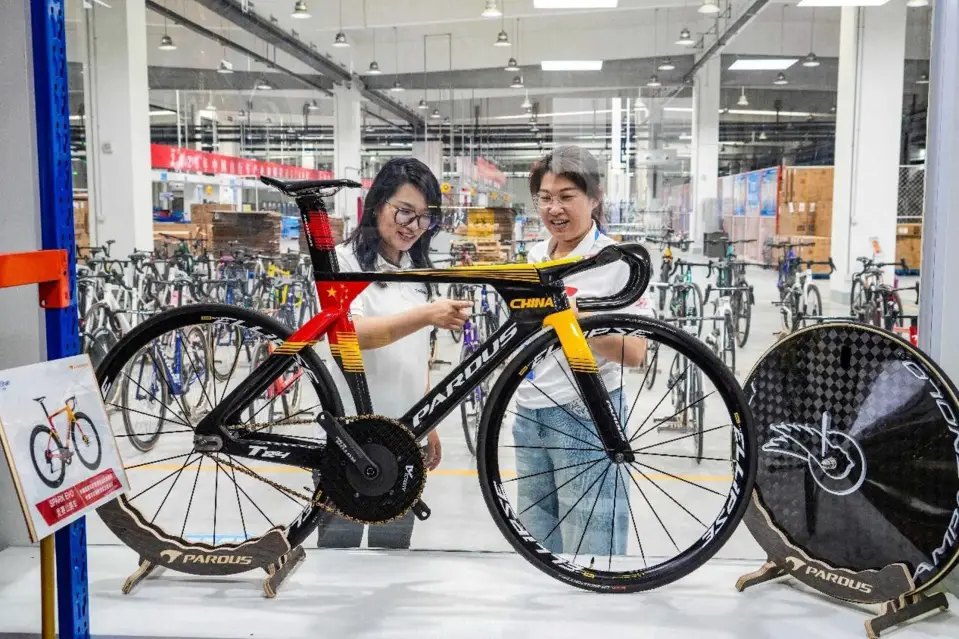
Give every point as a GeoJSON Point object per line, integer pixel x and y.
{"type": "Point", "coordinates": [370, 594]}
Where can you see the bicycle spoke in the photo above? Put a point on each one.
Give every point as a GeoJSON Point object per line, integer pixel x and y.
{"type": "Point", "coordinates": [649, 366]}
{"type": "Point", "coordinates": [556, 490]}
{"type": "Point", "coordinates": [589, 518]}
{"type": "Point", "coordinates": [666, 419]}
{"type": "Point", "coordinates": [655, 514]}
{"type": "Point", "coordinates": [216, 492]}
{"type": "Point", "coordinates": [556, 430]}
{"type": "Point", "coordinates": [186, 348]}
{"type": "Point", "coordinates": [696, 457]}
{"type": "Point", "coordinates": [192, 493]}
{"type": "Point", "coordinates": [612, 527]}
{"type": "Point", "coordinates": [239, 505]}
{"type": "Point", "coordinates": [156, 461]}
{"type": "Point", "coordinates": [563, 408]}
{"type": "Point", "coordinates": [673, 499]}
{"type": "Point", "coordinates": [157, 483]}
{"type": "Point", "coordinates": [168, 375]}
{"type": "Point", "coordinates": [172, 486]}
{"type": "Point", "coordinates": [262, 479]}
{"type": "Point", "coordinates": [250, 499]}
{"type": "Point", "coordinates": [682, 479]}
{"type": "Point", "coordinates": [552, 470]}
{"type": "Point", "coordinates": [573, 507]}
{"type": "Point", "coordinates": [676, 439]}
{"type": "Point", "coordinates": [593, 450]}
{"type": "Point", "coordinates": [140, 412]}
{"type": "Point", "coordinates": [665, 395]}
{"type": "Point", "coordinates": [152, 396]}
{"type": "Point", "coordinates": [632, 516]}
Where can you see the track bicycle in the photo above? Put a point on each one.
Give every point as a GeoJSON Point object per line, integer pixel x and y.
{"type": "Point", "coordinates": [51, 454]}
{"type": "Point", "coordinates": [874, 301]}
{"type": "Point", "coordinates": [802, 303]}
{"type": "Point", "coordinates": [731, 282]}
{"type": "Point", "coordinates": [723, 336]}
{"type": "Point", "coordinates": [787, 275]}
{"type": "Point", "coordinates": [666, 265]}
{"type": "Point", "coordinates": [371, 469]}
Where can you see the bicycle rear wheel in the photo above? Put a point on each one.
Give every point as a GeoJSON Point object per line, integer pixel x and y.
{"type": "Point", "coordinates": [575, 514]}
{"type": "Point", "coordinates": [244, 512]}
{"type": "Point", "coordinates": [743, 314]}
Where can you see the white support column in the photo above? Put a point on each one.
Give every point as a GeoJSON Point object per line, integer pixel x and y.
{"type": "Point", "coordinates": [347, 129]}
{"type": "Point", "coordinates": [119, 105]}
{"type": "Point", "coordinates": [705, 148]}
{"type": "Point", "coordinates": [431, 154]}
{"type": "Point", "coordinates": [648, 171]}
{"type": "Point", "coordinates": [22, 337]}
{"type": "Point", "coordinates": [872, 45]}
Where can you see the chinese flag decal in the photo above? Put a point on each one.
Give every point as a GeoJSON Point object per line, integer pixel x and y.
{"type": "Point", "coordinates": [571, 291]}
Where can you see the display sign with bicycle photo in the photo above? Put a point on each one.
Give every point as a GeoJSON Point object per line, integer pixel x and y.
{"type": "Point", "coordinates": [58, 443]}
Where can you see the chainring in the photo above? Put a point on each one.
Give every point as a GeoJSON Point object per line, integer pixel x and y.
{"type": "Point", "coordinates": [402, 472]}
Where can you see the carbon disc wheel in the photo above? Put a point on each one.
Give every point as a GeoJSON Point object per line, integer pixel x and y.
{"type": "Point", "coordinates": [596, 524]}
{"type": "Point", "coordinates": [858, 465]}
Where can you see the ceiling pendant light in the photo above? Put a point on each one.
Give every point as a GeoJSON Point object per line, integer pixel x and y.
{"type": "Point", "coordinates": [743, 100]}
{"type": "Point", "coordinates": [517, 83]}
{"type": "Point", "coordinates": [780, 79]}
{"type": "Point", "coordinates": [654, 81]}
{"type": "Point", "coordinates": [435, 115]}
{"type": "Point", "coordinates": [422, 105]}
{"type": "Point", "coordinates": [491, 10]}
{"type": "Point", "coordinates": [263, 85]}
{"type": "Point", "coordinates": [666, 64]}
{"type": "Point", "coordinates": [685, 38]}
{"type": "Point", "coordinates": [811, 60]}
{"type": "Point", "coordinates": [709, 7]}
{"type": "Point", "coordinates": [300, 11]}
{"type": "Point", "coordinates": [397, 87]}
{"type": "Point", "coordinates": [915, 4]}
{"type": "Point", "coordinates": [225, 68]}
{"type": "Point", "coordinates": [526, 103]}
{"type": "Point", "coordinates": [374, 68]}
{"type": "Point", "coordinates": [340, 41]}
{"type": "Point", "coordinates": [512, 65]}
{"type": "Point", "coordinates": [923, 78]}
{"type": "Point", "coordinates": [374, 65]}
{"type": "Point", "coordinates": [762, 135]}
{"type": "Point", "coordinates": [166, 43]}
{"type": "Point", "coordinates": [502, 39]}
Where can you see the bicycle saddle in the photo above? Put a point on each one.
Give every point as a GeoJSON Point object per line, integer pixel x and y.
{"type": "Point", "coordinates": [301, 187]}
{"type": "Point", "coordinates": [39, 399]}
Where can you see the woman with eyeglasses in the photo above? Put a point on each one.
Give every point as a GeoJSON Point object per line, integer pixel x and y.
{"type": "Point", "coordinates": [393, 319]}
{"type": "Point", "coordinates": [553, 467]}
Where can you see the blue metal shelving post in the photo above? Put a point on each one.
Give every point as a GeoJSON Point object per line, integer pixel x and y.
{"type": "Point", "coordinates": [56, 213]}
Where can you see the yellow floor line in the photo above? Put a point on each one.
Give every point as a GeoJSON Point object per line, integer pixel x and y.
{"type": "Point", "coordinates": [439, 472]}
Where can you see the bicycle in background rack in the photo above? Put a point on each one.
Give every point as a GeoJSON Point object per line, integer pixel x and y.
{"type": "Point", "coordinates": [875, 302]}
{"type": "Point", "coordinates": [802, 303]}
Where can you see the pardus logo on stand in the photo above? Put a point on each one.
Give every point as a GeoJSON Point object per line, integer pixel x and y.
{"type": "Point", "coordinates": [799, 566]}
{"type": "Point", "coordinates": [170, 557]}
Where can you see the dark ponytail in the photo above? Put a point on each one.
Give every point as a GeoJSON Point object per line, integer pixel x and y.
{"type": "Point", "coordinates": [577, 165]}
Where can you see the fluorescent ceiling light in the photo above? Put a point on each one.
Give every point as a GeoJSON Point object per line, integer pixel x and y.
{"type": "Point", "coordinates": [575, 4]}
{"type": "Point", "coordinates": [557, 114]}
{"type": "Point", "coordinates": [572, 65]}
{"type": "Point", "coordinates": [763, 64]}
{"type": "Point", "coordinates": [841, 3]}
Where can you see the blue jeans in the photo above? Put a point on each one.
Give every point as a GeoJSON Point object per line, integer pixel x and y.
{"type": "Point", "coordinates": [566, 501]}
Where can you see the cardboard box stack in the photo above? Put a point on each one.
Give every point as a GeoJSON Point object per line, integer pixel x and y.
{"type": "Point", "coordinates": [909, 244]}
{"type": "Point", "coordinates": [81, 219]}
{"type": "Point", "coordinates": [255, 231]}
{"type": "Point", "coordinates": [805, 213]}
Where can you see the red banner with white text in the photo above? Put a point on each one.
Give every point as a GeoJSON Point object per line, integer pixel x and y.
{"type": "Point", "coordinates": [174, 158]}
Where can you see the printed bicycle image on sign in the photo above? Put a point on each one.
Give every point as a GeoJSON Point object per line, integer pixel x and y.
{"type": "Point", "coordinates": [57, 441]}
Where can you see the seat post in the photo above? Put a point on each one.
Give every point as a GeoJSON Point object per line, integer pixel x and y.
{"type": "Point", "coordinates": [316, 224]}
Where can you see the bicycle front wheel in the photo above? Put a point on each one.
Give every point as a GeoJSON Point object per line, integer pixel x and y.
{"type": "Point", "coordinates": [86, 441]}
{"type": "Point", "coordinates": [608, 526]}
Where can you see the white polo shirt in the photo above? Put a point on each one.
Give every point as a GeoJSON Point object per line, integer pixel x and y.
{"type": "Point", "coordinates": [397, 373]}
{"type": "Point", "coordinates": [548, 377]}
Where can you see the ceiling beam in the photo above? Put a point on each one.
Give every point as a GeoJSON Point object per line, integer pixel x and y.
{"type": "Point", "coordinates": [215, 37]}
{"type": "Point", "coordinates": [269, 32]}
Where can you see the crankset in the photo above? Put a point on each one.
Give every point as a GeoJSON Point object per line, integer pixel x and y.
{"type": "Point", "coordinates": [396, 487]}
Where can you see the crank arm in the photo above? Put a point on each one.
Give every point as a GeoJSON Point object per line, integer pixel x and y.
{"type": "Point", "coordinates": [337, 436]}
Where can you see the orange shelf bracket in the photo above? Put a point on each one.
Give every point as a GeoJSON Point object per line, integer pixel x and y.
{"type": "Point", "coordinates": [48, 269]}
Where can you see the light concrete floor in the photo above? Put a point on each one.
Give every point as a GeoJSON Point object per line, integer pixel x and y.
{"type": "Point", "coordinates": [372, 594]}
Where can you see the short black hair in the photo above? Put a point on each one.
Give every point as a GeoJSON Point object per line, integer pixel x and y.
{"type": "Point", "coordinates": [577, 165]}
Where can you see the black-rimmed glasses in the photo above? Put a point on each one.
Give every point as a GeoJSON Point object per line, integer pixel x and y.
{"type": "Point", "coordinates": [405, 217]}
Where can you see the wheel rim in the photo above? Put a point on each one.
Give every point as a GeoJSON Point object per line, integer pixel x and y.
{"type": "Point", "coordinates": [598, 553]}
